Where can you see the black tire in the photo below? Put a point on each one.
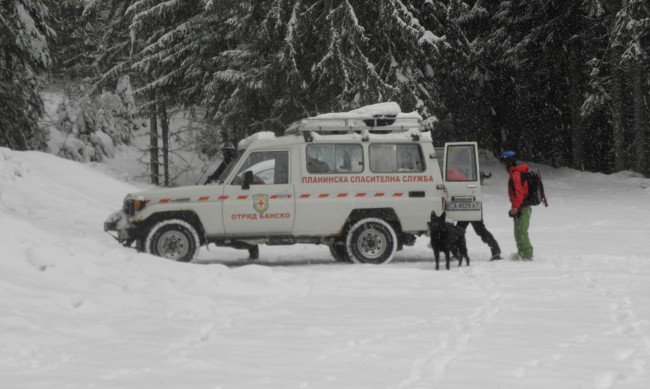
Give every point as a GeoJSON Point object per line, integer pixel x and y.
{"type": "Point", "coordinates": [139, 245]}
{"type": "Point", "coordinates": [254, 252]}
{"type": "Point", "coordinates": [372, 241]}
{"type": "Point", "coordinates": [340, 253]}
{"type": "Point", "coordinates": [175, 239]}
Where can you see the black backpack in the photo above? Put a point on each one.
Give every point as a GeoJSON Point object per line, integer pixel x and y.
{"type": "Point", "coordinates": [536, 194]}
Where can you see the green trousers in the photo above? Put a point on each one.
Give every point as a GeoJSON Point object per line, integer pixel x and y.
{"type": "Point", "coordinates": [522, 222]}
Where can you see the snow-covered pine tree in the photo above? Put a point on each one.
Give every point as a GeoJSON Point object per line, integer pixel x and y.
{"type": "Point", "coordinates": [484, 76]}
{"type": "Point", "coordinates": [259, 65]}
{"type": "Point", "coordinates": [536, 55]}
{"type": "Point", "coordinates": [618, 82]}
{"type": "Point", "coordinates": [451, 65]}
{"type": "Point", "coordinates": [90, 126]}
{"type": "Point", "coordinates": [115, 47]}
{"type": "Point", "coordinates": [24, 54]}
{"type": "Point", "coordinates": [118, 50]}
{"type": "Point", "coordinates": [595, 111]}
{"type": "Point", "coordinates": [167, 35]}
{"type": "Point", "coordinates": [78, 36]}
{"type": "Point", "coordinates": [616, 89]}
{"type": "Point", "coordinates": [633, 31]}
{"type": "Point", "coordinates": [297, 58]}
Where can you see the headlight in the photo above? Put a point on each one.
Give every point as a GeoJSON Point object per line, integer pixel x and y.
{"type": "Point", "coordinates": [133, 205]}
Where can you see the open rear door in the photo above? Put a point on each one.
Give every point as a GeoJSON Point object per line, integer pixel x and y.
{"type": "Point", "coordinates": [462, 182]}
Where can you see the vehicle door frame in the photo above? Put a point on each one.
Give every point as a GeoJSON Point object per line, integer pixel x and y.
{"type": "Point", "coordinates": [240, 199]}
{"type": "Point", "coordinates": [463, 201]}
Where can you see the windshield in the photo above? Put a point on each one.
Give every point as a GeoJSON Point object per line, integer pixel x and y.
{"type": "Point", "coordinates": [231, 165]}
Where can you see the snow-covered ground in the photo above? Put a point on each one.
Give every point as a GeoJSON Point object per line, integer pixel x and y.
{"type": "Point", "coordinates": [79, 311]}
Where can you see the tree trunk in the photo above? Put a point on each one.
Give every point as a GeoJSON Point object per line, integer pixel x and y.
{"type": "Point", "coordinates": [575, 102]}
{"type": "Point", "coordinates": [641, 129]}
{"type": "Point", "coordinates": [164, 125]}
{"type": "Point", "coordinates": [153, 142]}
{"type": "Point", "coordinates": [618, 129]}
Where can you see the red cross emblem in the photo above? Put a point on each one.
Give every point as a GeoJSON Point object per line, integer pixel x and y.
{"type": "Point", "coordinates": [261, 203]}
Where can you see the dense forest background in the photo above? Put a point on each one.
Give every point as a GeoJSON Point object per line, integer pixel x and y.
{"type": "Point", "coordinates": [562, 82]}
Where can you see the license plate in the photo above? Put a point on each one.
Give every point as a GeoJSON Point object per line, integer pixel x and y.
{"type": "Point", "coordinates": [464, 206]}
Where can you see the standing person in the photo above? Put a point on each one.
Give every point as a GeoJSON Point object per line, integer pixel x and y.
{"type": "Point", "coordinates": [517, 191]}
{"type": "Point", "coordinates": [486, 237]}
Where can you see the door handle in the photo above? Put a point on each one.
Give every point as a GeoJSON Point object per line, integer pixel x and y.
{"type": "Point", "coordinates": [472, 185]}
{"type": "Point", "coordinates": [418, 193]}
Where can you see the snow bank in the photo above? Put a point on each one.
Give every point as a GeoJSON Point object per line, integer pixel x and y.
{"type": "Point", "coordinates": [72, 297]}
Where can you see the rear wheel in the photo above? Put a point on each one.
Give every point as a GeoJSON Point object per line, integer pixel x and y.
{"type": "Point", "coordinates": [371, 240]}
{"type": "Point", "coordinates": [176, 240]}
{"type": "Point", "coordinates": [340, 253]}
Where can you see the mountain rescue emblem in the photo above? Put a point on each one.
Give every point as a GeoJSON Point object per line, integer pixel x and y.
{"type": "Point", "coordinates": [261, 203]}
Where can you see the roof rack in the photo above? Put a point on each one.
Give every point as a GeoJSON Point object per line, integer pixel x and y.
{"type": "Point", "coordinates": [342, 123]}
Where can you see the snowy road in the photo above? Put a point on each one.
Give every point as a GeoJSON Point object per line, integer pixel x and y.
{"type": "Point", "coordinates": [78, 311]}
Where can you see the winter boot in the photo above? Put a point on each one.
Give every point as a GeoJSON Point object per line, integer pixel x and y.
{"type": "Point", "coordinates": [496, 257]}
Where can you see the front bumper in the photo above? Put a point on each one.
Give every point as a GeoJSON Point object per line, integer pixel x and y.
{"type": "Point", "coordinates": [118, 222]}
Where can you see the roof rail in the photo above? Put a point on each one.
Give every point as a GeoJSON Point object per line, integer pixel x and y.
{"type": "Point", "coordinates": [341, 123]}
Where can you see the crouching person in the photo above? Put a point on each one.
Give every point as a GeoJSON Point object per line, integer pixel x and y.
{"type": "Point", "coordinates": [518, 191]}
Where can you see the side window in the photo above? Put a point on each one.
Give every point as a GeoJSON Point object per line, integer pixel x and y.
{"type": "Point", "coordinates": [268, 167]}
{"type": "Point", "coordinates": [334, 158]}
{"type": "Point", "coordinates": [461, 163]}
{"type": "Point", "coordinates": [396, 158]}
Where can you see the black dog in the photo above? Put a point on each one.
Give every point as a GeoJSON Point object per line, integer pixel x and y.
{"type": "Point", "coordinates": [447, 238]}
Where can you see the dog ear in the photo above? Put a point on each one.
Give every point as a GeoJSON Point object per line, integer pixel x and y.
{"type": "Point", "coordinates": [443, 216]}
{"type": "Point", "coordinates": [433, 215]}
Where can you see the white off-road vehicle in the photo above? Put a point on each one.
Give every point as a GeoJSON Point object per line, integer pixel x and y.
{"type": "Point", "coordinates": [362, 182]}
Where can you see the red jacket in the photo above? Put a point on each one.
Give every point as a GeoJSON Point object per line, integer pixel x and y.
{"type": "Point", "coordinates": [516, 190]}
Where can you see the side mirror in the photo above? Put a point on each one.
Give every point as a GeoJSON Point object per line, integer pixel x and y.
{"type": "Point", "coordinates": [248, 180]}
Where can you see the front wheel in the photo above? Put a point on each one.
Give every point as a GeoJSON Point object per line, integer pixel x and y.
{"type": "Point", "coordinates": [371, 241]}
{"type": "Point", "coordinates": [176, 240]}
{"type": "Point", "coordinates": [340, 253]}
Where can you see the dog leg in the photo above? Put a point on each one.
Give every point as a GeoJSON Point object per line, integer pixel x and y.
{"type": "Point", "coordinates": [436, 255]}
{"type": "Point", "coordinates": [447, 259]}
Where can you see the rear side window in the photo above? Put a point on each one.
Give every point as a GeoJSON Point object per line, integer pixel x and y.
{"type": "Point", "coordinates": [334, 158]}
{"type": "Point", "coordinates": [396, 158]}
